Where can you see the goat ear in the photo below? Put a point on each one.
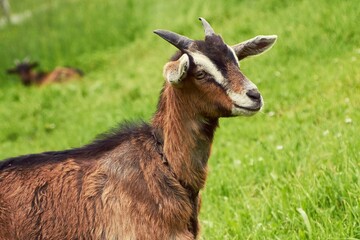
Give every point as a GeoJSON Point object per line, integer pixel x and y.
{"type": "Point", "coordinates": [254, 46]}
{"type": "Point", "coordinates": [175, 71]}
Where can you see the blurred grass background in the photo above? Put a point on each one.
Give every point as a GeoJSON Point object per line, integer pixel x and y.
{"type": "Point", "coordinates": [291, 172]}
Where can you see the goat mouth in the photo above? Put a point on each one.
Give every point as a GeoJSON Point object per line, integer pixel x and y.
{"type": "Point", "coordinates": [251, 109]}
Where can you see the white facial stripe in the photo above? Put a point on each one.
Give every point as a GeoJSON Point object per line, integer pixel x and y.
{"type": "Point", "coordinates": [248, 85]}
{"type": "Point", "coordinates": [232, 50]}
{"type": "Point", "coordinates": [205, 62]}
{"type": "Point", "coordinates": [239, 99]}
{"type": "Point", "coordinates": [243, 101]}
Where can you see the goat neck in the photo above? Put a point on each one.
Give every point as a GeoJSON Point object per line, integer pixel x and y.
{"type": "Point", "coordinates": [186, 136]}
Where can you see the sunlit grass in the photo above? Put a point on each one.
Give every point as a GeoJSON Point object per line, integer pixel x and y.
{"type": "Point", "coordinates": [290, 172]}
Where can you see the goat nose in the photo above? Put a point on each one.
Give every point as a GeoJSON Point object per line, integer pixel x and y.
{"type": "Point", "coordinates": [253, 94]}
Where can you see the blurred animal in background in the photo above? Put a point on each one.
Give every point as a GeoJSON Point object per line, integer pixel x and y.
{"type": "Point", "coordinates": [29, 76]}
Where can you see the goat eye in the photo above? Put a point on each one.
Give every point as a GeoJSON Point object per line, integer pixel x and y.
{"type": "Point", "coordinates": [200, 74]}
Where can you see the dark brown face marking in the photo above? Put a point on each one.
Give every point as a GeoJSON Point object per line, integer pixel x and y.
{"type": "Point", "coordinates": [217, 51]}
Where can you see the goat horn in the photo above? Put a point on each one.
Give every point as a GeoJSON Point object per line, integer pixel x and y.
{"type": "Point", "coordinates": [207, 28]}
{"type": "Point", "coordinates": [179, 41]}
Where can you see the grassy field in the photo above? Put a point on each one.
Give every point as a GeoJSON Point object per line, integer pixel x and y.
{"type": "Point", "coordinates": [290, 172]}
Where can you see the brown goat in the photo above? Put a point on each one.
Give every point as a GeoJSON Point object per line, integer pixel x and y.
{"type": "Point", "coordinates": [30, 77]}
{"type": "Point", "coordinates": [143, 180]}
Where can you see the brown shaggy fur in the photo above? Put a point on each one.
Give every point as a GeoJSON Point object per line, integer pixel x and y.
{"type": "Point", "coordinates": [123, 190]}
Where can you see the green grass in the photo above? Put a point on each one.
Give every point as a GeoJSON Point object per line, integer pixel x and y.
{"type": "Point", "coordinates": [291, 172]}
